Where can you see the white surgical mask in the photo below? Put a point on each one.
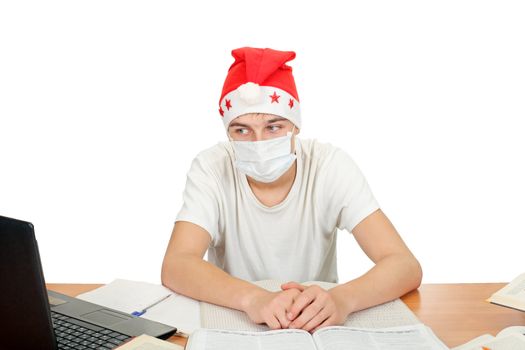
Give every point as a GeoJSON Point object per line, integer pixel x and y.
{"type": "Point", "coordinates": [264, 161]}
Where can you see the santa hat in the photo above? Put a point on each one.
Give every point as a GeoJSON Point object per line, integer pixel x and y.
{"type": "Point", "coordinates": [259, 81]}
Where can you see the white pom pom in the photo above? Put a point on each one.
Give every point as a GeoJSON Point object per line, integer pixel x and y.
{"type": "Point", "coordinates": [250, 93]}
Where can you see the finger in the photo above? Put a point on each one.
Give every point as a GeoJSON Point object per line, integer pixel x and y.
{"type": "Point", "coordinates": [300, 303]}
{"type": "Point", "coordinates": [328, 322]}
{"type": "Point", "coordinates": [308, 314]}
{"type": "Point", "coordinates": [283, 320]}
{"type": "Point", "coordinates": [317, 320]}
{"type": "Point", "coordinates": [290, 285]}
{"type": "Point", "coordinates": [273, 322]}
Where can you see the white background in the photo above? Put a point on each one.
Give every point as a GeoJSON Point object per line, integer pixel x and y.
{"type": "Point", "coordinates": [103, 105]}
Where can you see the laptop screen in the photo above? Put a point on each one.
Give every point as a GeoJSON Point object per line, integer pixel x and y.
{"type": "Point", "coordinates": [26, 320]}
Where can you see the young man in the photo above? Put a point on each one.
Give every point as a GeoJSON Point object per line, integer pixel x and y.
{"type": "Point", "coordinates": [267, 205]}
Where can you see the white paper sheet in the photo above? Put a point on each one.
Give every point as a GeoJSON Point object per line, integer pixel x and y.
{"type": "Point", "coordinates": [129, 296]}
{"type": "Point", "coordinates": [415, 337]}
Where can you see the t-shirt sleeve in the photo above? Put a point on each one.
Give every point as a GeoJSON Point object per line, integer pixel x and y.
{"type": "Point", "coordinates": [347, 190]}
{"type": "Point", "coordinates": [201, 204]}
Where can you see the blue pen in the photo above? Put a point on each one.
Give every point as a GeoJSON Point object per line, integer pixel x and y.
{"type": "Point", "coordinates": [140, 313]}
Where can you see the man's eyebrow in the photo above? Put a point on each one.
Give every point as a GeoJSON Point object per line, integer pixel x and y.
{"type": "Point", "coordinates": [269, 121]}
{"type": "Point", "coordinates": [239, 124]}
{"type": "Point", "coordinates": [273, 120]}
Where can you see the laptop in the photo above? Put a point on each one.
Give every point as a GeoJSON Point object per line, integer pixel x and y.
{"type": "Point", "coordinates": [34, 318]}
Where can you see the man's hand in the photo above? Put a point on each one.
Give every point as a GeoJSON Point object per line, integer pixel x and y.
{"type": "Point", "coordinates": [315, 308]}
{"type": "Point", "coordinates": [271, 307]}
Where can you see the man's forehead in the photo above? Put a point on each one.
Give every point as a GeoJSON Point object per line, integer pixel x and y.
{"type": "Point", "coordinates": [256, 118]}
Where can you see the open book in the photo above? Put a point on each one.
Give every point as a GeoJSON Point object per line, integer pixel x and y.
{"type": "Point", "coordinates": [416, 337]}
{"type": "Point", "coordinates": [512, 295]}
{"type": "Point", "coordinates": [510, 338]}
{"type": "Point", "coordinates": [189, 315]}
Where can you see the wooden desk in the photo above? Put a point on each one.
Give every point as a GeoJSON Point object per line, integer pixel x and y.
{"type": "Point", "coordinates": [455, 312]}
{"type": "Point", "coordinates": [459, 312]}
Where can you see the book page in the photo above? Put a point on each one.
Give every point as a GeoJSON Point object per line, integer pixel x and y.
{"type": "Point", "coordinates": [476, 343]}
{"type": "Point", "coordinates": [513, 294]}
{"type": "Point", "coordinates": [214, 339]}
{"type": "Point", "coordinates": [177, 311]}
{"type": "Point", "coordinates": [125, 295]}
{"type": "Point", "coordinates": [390, 314]}
{"type": "Point", "coordinates": [509, 342]}
{"type": "Point", "coordinates": [509, 338]}
{"type": "Point", "coordinates": [512, 330]}
{"type": "Point", "coordinates": [417, 337]}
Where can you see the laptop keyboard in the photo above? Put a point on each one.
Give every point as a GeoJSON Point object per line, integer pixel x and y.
{"type": "Point", "coordinates": [75, 334]}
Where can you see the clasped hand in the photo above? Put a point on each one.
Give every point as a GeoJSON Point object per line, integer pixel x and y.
{"type": "Point", "coordinates": [297, 306]}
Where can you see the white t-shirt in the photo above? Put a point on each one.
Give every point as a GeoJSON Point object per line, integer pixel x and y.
{"type": "Point", "coordinates": [294, 240]}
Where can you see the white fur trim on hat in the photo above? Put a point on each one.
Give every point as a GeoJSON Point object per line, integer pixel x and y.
{"type": "Point", "coordinates": [252, 98]}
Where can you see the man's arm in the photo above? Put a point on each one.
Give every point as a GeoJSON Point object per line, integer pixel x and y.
{"type": "Point", "coordinates": [186, 272]}
{"type": "Point", "coordinates": [395, 273]}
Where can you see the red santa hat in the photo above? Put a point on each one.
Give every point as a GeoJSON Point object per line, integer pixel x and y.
{"type": "Point", "coordinates": [259, 81]}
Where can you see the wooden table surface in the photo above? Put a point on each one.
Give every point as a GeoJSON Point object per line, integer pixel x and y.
{"type": "Point", "coordinates": [455, 312]}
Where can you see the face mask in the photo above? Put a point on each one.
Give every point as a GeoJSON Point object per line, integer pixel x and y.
{"type": "Point", "coordinates": [264, 161]}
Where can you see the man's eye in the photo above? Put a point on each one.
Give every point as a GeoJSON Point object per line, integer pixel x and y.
{"type": "Point", "coordinates": [242, 131]}
{"type": "Point", "coordinates": [274, 127]}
